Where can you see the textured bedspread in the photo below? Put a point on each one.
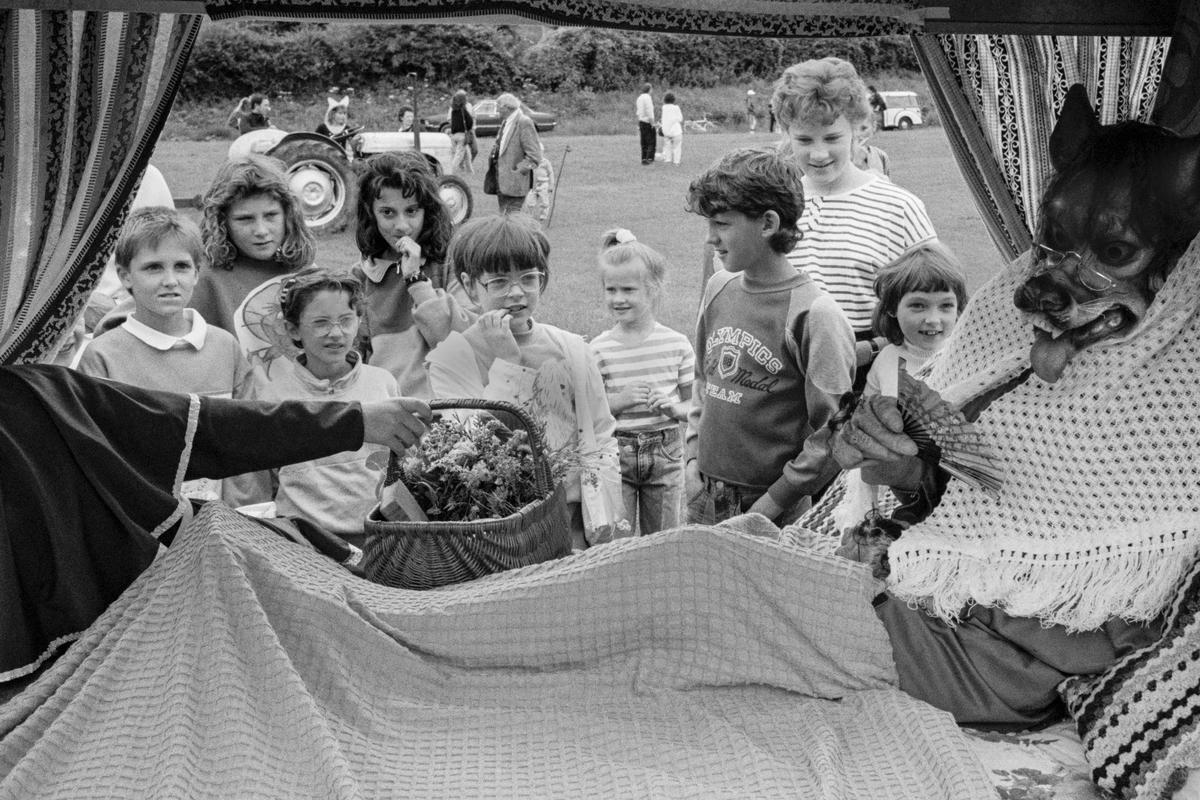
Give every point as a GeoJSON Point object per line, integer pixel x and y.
{"type": "Point", "coordinates": [697, 663]}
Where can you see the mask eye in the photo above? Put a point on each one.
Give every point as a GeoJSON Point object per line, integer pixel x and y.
{"type": "Point", "coordinates": [1116, 253]}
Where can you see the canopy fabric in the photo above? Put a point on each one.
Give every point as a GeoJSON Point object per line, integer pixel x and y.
{"type": "Point", "coordinates": [83, 97]}
{"type": "Point", "coordinates": [733, 17]}
{"type": "Point", "coordinates": [998, 97]}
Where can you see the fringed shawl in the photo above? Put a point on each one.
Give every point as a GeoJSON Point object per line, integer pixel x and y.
{"type": "Point", "coordinates": [1099, 514]}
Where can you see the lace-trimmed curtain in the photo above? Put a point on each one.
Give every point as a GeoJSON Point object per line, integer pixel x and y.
{"type": "Point", "coordinates": [998, 97]}
{"type": "Point", "coordinates": [83, 97]}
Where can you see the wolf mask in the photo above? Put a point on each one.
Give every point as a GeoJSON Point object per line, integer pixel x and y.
{"type": "Point", "coordinates": [1123, 205]}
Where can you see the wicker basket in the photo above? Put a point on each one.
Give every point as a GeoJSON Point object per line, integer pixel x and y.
{"type": "Point", "coordinates": [423, 555]}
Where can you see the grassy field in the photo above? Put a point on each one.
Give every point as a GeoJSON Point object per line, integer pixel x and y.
{"type": "Point", "coordinates": [602, 185]}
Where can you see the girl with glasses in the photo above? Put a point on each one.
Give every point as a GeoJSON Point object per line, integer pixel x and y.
{"type": "Point", "coordinates": [503, 262]}
{"type": "Point", "coordinates": [322, 310]}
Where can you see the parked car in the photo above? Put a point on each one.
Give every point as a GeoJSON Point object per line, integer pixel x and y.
{"type": "Point", "coordinates": [487, 119]}
{"type": "Point", "coordinates": [902, 110]}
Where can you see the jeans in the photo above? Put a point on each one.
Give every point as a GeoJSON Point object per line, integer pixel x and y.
{"type": "Point", "coordinates": [647, 136]}
{"type": "Point", "coordinates": [717, 501]}
{"type": "Point", "coordinates": [652, 477]}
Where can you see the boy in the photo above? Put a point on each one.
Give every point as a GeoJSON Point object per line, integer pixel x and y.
{"type": "Point", "coordinates": [774, 354]}
{"type": "Point", "coordinates": [251, 113]}
{"type": "Point", "coordinates": [163, 344]}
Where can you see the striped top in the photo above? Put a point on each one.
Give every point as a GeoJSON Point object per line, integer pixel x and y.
{"type": "Point", "coordinates": [847, 237]}
{"type": "Point", "coordinates": [665, 359]}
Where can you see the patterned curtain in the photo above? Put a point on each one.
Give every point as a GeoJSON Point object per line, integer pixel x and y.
{"type": "Point", "coordinates": [737, 17]}
{"type": "Point", "coordinates": [83, 97]}
{"type": "Point", "coordinates": [998, 97]}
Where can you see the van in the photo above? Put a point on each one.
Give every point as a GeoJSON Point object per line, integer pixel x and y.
{"type": "Point", "coordinates": [902, 110]}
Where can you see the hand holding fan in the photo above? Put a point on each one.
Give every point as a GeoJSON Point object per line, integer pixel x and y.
{"type": "Point", "coordinates": [942, 431]}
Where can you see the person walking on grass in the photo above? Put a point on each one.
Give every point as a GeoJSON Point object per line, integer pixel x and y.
{"type": "Point", "coordinates": [518, 152]}
{"type": "Point", "coordinates": [645, 117]}
{"type": "Point", "coordinates": [672, 130]}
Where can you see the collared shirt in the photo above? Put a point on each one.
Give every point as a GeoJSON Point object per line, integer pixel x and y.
{"type": "Point", "coordinates": [645, 108]}
{"type": "Point", "coordinates": [194, 338]}
{"type": "Point", "coordinates": [506, 130]}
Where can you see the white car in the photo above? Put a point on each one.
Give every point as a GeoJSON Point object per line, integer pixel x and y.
{"type": "Point", "coordinates": [903, 111]}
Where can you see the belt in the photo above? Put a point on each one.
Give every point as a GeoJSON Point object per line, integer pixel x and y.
{"type": "Point", "coordinates": [660, 435]}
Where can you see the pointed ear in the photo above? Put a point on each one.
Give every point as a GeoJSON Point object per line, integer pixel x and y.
{"type": "Point", "coordinates": [1076, 126]}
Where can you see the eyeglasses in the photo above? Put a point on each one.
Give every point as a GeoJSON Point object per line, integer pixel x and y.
{"type": "Point", "coordinates": [531, 281]}
{"type": "Point", "coordinates": [324, 327]}
{"type": "Point", "coordinates": [1088, 276]}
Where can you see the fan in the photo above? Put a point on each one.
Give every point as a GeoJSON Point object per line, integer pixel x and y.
{"type": "Point", "coordinates": [259, 325]}
{"type": "Point", "coordinates": [941, 431]}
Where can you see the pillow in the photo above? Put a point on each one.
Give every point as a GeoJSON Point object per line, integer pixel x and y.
{"type": "Point", "coordinates": [1140, 720]}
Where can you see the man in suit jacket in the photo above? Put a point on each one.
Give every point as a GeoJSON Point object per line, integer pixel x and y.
{"type": "Point", "coordinates": [519, 151]}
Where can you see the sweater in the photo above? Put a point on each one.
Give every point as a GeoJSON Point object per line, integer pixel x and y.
{"type": "Point", "coordinates": [761, 402]}
{"type": "Point", "coordinates": [220, 291]}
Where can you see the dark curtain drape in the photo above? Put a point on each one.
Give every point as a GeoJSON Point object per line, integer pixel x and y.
{"type": "Point", "coordinates": [83, 98]}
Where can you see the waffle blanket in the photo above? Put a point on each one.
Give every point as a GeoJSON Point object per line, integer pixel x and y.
{"type": "Point", "coordinates": [688, 664]}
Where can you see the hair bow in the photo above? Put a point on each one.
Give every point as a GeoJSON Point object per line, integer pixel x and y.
{"type": "Point", "coordinates": [344, 103]}
{"type": "Point", "coordinates": [624, 236]}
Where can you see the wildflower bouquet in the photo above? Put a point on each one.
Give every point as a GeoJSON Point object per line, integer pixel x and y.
{"type": "Point", "coordinates": [475, 497]}
{"type": "Point", "coordinates": [473, 468]}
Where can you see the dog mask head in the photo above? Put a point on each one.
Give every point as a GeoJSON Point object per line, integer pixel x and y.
{"type": "Point", "coordinates": [1122, 207]}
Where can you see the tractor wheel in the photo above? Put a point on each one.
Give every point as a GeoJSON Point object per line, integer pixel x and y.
{"type": "Point", "coordinates": [319, 175]}
{"type": "Point", "coordinates": [457, 196]}
{"type": "Point", "coordinates": [445, 128]}
{"type": "Point", "coordinates": [904, 123]}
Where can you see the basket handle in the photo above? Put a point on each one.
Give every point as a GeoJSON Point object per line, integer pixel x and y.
{"type": "Point", "coordinates": [541, 465]}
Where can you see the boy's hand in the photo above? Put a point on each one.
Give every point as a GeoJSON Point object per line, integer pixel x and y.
{"type": "Point", "coordinates": [410, 256]}
{"type": "Point", "coordinates": [493, 328]}
{"type": "Point", "coordinates": [692, 483]}
{"type": "Point", "coordinates": [397, 423]}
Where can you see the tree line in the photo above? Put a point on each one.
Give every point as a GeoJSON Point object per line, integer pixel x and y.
{"type": "Point", "coordinates": [231, 60]}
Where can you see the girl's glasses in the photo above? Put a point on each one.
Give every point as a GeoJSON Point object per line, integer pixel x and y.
{"type": "Point", "coordinates": [1088, 276]}
{"type": "Point", "coordinates": [324, 327]}
{"type": "Point", "coordinates": [531, 281]}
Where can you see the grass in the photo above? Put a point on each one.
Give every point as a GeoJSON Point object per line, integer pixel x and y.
{"type": "Point", "coordinates": [602, 185]}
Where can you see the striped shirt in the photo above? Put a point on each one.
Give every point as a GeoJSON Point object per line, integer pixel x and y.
{"type": "Point", "coordinates": [847, 237]}
{"type": "Point", "coordinates": [665, 359]}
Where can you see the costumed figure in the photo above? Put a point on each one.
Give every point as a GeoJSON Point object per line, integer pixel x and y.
{"type": "Point", "coordinates": [1083, 390]}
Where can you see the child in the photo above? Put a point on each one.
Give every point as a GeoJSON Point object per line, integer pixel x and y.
{"type": "Point", "coordinates": [855, 221]}
{"type": "Point", "coordinates": [647, 370]}
{"type": "Point", "coordinates": [505, 355]}
{"type": "Point", "coordinates": [164, 345]}
{"type": "Point", "coordinates": [921, 295]}
{"type": "Point", "coordinates": [774, 354]}
{"type": "Point", "coordinates": [671, 124]}
{"type": "Point", "coordinates": [413, 300]}
{"type": "Point", "coordinates": [253, 231]}
{"type": "Point", "coordinates": [541, 196]}
{"type": "Point", "coordinates": [321, 310]}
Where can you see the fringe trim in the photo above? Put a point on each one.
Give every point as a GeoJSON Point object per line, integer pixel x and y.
{"type": "Point", "coordinates": [1134, 578]}
{"type": "Point", "coordinates": [35, 665]}
{"type": "Point", "coordinates": [183, 511]}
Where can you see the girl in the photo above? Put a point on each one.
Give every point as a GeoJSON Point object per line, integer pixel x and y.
{"type": "Point", "coordinates": [671, 122]}
{"type": "Point", "coordinates": [921, 295]}
{"type": "Point", "coordinates": [648, 370]}
{"type": "Point", "coordinates": [337, 121]}
{"type": "Point", "coordinates": [412, 300]}
{"type": "Point", "coordinates": [253, 232]}
{"type": "Point", "coordinates": [505, 355]}
{"type": "Point", "coordinates": [321, 311]}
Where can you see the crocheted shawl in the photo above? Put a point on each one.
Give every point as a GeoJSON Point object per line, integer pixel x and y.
{"type": "Point", "coordinates": [1099, 514]}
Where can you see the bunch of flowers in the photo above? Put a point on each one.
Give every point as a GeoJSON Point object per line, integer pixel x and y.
{"type": "Point", "coordinates": [473, 467]}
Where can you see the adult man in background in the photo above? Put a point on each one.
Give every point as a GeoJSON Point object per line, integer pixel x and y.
{"type": "Point", "coordinates": [517, 151]}
{"type": "Point", "coordinates": [645, 116]}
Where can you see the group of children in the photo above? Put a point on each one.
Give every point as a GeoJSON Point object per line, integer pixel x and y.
{"type": "Point", "coordinates": [736, 423]}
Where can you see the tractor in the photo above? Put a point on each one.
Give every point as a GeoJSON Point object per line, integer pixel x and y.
{"type": "Point", "coordinates": [322, 171]}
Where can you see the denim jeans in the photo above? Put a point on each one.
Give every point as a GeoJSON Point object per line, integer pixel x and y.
{"type": "Point", "coordinates": [652, 477]}
{"type": "Point", "coordinates": [717, 501]}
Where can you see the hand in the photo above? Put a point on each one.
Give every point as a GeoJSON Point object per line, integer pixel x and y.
{"type": "Point", "coordinates": [397, 423]}
{"type": "Point", "coordinates": [410, 256]}
{"type": "Point", "coordinates": [692, 482]}
{"type": "Point", "coordinates": [874, 441]}
{"type": "Point", "coordinates": [767, 507]}
{"type": "Point", "coordinates": [661, 402]}
{"type": "Point", "coordinates": [493, 328]}
{"type": "Point", "coordinates": [630, 396]}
